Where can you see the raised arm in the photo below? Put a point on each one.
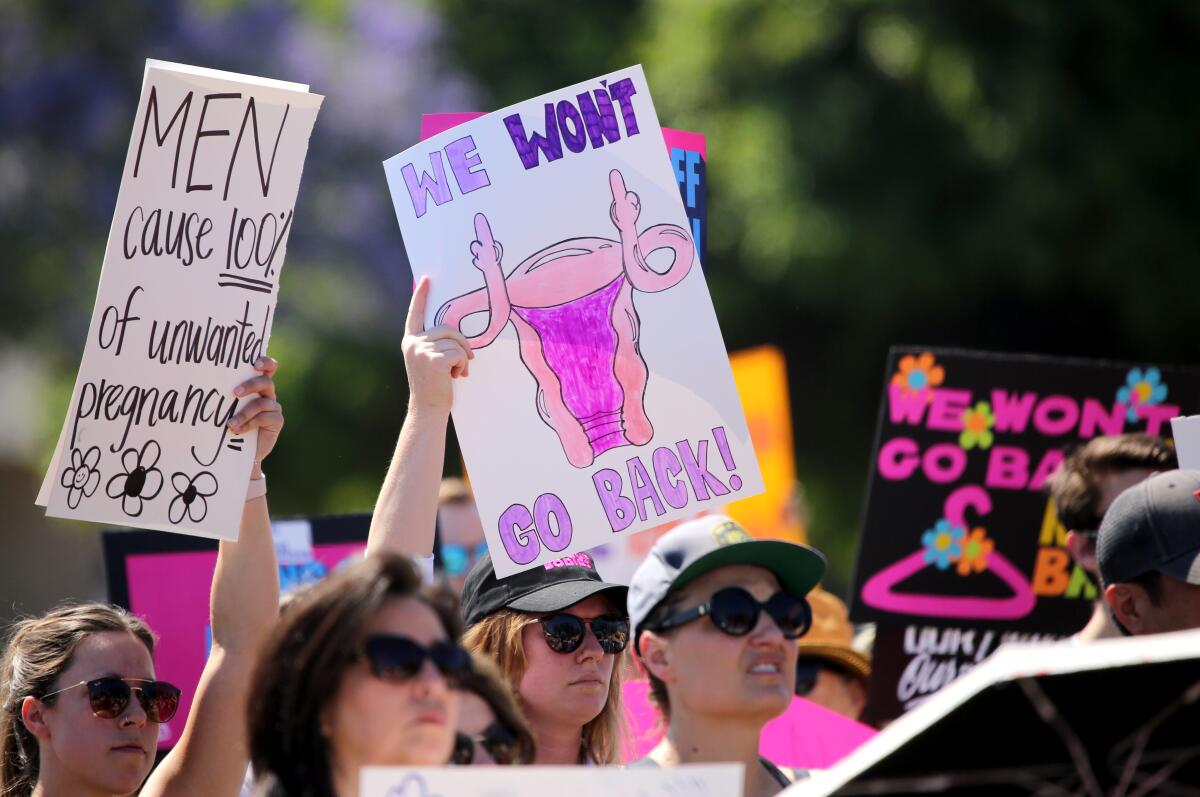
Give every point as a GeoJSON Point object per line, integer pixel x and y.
{"type": "Point", "coordinates": [406, 512]}
{"type": "Point", "coordinates": [212, 754]}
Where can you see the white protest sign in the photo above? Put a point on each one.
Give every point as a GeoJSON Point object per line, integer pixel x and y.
{"type": "Point", "coordinates": [600, 399]}
{"type": "Point", "coordinates": [185, 303]}
{"type": "Point", "coordinates": [696, 780]}
{"type": "Point", "coordinates": [1186, 432]}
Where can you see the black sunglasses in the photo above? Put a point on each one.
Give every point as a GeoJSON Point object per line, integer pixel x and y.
{"type": "Point", "coordinates": [807, 672]}
{"type": "Point", "coordinates": [109, 697]}
{"type": "Point", "coordinates": [497, 740]}
{"type": "Point", "coordinates": [564, 632]}
{"type": "Point", "coordinates": [398, 658]}
{"type": "Point", "coordinates": [735, 611]}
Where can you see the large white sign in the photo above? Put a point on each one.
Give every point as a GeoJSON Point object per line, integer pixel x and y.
{"type": "Point", "coordinates": [185, 304]}
{"type": "Point", "coordinates": [600, 399]}
{"type": "Point", "coordinates": [708, 780]}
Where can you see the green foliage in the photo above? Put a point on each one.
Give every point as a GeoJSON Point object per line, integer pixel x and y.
{"type": "Point", "coordinates": [1004, 175]}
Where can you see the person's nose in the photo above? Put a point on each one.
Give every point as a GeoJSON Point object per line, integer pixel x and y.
{"type": "Point", "coordinates": [590, 648]}
{"type": "Point", "coordinates": [134, 715]}
{"type": "Point", "coordinates": [767, 631]}
{"type": "Point", "coordinates": [429, 678]}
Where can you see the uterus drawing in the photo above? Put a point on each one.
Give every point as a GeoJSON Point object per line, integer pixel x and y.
{"type": "Point", "coordinates": [578, 331]}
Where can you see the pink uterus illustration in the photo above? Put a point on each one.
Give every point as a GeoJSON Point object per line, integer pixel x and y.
{"type": "Point", "coordinates": [577, 328]}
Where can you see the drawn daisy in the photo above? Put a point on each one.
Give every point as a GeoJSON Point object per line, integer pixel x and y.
{"type": "Point", "coordinates": [918, 375]}
{"type": "Point", "coordinates": [82, 478]}
{"type": "Point", "coordinates": [943, 544]}
{"type": "Point", "coordinates": [191, 496]}
{"type": "Point", "coordinates": [1141, 388]}
{"type": "Point", "coordinates": [140, 482]}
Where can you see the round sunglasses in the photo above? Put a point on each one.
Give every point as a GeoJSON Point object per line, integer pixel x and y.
{"type": "Point", "coordinates": [110, 696]}
{"type": "Point", "coordinates": [564, 632]}
{"type": "Point", "coordinates": [398, 659]}
{"type": "Point", "coordinates": [735, 611]}
{"type": "Point", "coordinates": [497, 740]}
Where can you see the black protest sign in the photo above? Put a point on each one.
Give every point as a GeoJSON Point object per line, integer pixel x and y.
{"type": "Point", "coordinates": [958, 529]}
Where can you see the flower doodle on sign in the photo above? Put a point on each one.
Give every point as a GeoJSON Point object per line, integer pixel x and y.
{"type": "Point", "coordinates": [977, 547]}
{"type": "Point", "coordinates": [82, 478]}
{"type": "Point", "coordinates": [191, 497]}
{"type": "Point", "coordinates": [977, 427]}
{"type": "Point", "coordinates": [140, 482]}
{"type": "Point", "coordinates": [918, 376]}
{"type": "Point", "coordinates": [1141, 388]}
{"type": "Point", "coordinates": [578, 330]}
{"type": "Point", "coordinates": [943, 544]}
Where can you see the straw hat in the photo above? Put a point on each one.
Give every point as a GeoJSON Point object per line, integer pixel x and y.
{"type": "Point", "coordinates": [832, 636]}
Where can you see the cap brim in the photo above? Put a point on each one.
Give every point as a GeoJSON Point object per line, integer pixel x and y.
{"type": "Point", "coordinates": [798, 567]}
{"type": "Point", "coordinates": [850, 659]}
{"type": "Point", "coordinates": [1185, 568]}
{"type": "Point", "coordinates": [556, 597]}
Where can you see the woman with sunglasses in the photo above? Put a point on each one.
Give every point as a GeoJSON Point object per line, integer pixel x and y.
{"type": "Point", "coordinates": [556, 631]}
{"type": "Point", "coordinates": [715, 616]}
{"type": "Point", "coordinates": [362, 670]}
{"type": "Point", "coordinates": [491, 729]}
{"type": "Point", "coordinates": [80, 707]}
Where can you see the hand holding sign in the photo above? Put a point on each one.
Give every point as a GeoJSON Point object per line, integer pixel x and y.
{"type": "Point", "coordinates": [263, 413]}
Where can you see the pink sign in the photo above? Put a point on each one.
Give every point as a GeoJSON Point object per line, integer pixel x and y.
{"type": "Point", "coordinates": [171, 591]}
{"type": "Point", "coordinates": [806, 736]}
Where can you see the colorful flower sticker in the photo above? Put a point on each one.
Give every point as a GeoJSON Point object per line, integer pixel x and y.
{"type": "Point", "coordinates": [918, 375]}
{"type": "Point", "coordinates": [1141, 388]}
{"type": "Point", "coordinates": [976, 549]}
{"type": "Point", "coordinates": [943, 543]}
{"type": "Point", "coordinates": [977, 427]}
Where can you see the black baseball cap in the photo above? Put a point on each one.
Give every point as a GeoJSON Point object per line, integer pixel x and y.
{"type": "Point", "coordinates": [700, 546]}
{"type": "Point", "coordinates": [1154, 525]}
{"type": "Point", "coordinates": [549, 587]}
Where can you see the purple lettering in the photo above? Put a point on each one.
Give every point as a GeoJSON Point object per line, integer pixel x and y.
{"type": "Point", "coordinates": [1050, 462]}
{"type": "Point", "coordinates": [621, 91]}
{"type": "Point", "coordinates": [643, 489]}
{"type": "Point", "coordinates": [556, 536]}
{"type": "Point", "coordinates": [528, 149]}
{"type": "Point", "coordinates": [434, 185]}
{"type": "Point", "coordinates": [666, 471]}
{"type": "Point", "coordinates": [696, 465]}
{"type": "Point", "coordinates": [1098, 420]}
{"type": "Point", "coordinates": [600, 123]}
{"type": "Point", "coordinates": [1155, 415]}
{"type": "Point", "coordinates": [619, 509]}
{"type": "Point", "coordinates": [463, 160]}
{"type": "Point", "coordinates": [570, 126]}
{"type": "Point", "coordinates": [518, 535]}
{"type": "Point", "coordinates": [939, 472]}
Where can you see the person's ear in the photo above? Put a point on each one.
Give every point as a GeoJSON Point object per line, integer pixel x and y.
{"type": "Point", "coordinates": [33, 715]}
{"type": "Point", "coordinates": [1130, 604]}
{"type": "Point", "coordinates": [656, 656]}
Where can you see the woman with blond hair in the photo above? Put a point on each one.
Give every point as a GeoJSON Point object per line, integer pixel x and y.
{"type": "Point", "coordinates": [557, 631]}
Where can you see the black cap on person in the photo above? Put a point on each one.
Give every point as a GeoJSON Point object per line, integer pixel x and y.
{"type": "Point", "coordinates": [549, 587]}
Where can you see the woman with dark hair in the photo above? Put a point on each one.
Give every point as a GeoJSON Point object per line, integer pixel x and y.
{"type": "Point", "coordinates": [491, 729]}
{"type": "Point", "coordinates": [80, 707]}
{"type": "Point", "coordinates": [556, 632]}
{"type": "Point", "coordinates": [362, 670]}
